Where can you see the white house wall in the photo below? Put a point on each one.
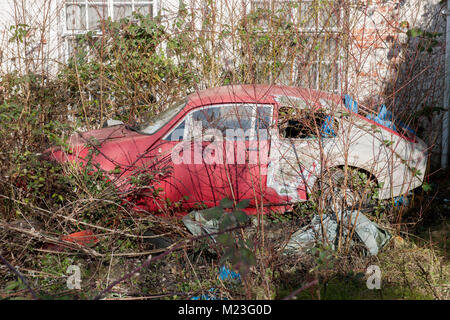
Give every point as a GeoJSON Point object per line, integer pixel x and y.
{"type": "Point", "coordinates": [374, 59]}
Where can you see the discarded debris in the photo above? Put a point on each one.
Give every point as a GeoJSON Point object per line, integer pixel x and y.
{"type": "Point", "coordinates": [207, 296]}
{"type": "Point", "coordinates": [401, 201]}
{"type": "Point", "coordinates": [384, 116]}
{"type": "Point", "coordinates": [197, 223]}
{"type": "Point", "coordinates": [85, 238]}
{"type": "Point", "coordinates": [225, 275]}
{"type": "Point", "coordinates": [369, 233]}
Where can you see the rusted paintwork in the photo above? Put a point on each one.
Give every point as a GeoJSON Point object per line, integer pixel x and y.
{"type": "Point", "coordinates": [286, 169]}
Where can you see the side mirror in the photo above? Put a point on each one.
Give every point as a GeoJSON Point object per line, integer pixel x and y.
{"type": "Point", "coordinates": [111, 122]}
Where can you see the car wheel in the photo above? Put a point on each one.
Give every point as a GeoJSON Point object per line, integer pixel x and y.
{"type": "Point", "coordinates": [338, 194]}
{"type": "Point", "coordinates": [157, 242]}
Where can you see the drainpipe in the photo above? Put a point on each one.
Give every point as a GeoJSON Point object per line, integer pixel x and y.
{"type": "Point", "coordinates": [445, 120]}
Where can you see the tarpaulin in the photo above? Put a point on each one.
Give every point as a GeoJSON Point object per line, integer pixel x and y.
{"type": "Point", "coordinates": [369, 233]}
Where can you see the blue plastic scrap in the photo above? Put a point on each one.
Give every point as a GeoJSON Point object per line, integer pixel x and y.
{"type": "Point", "coordinates": [327, 130]}
{"type": "Point", "coordinates": [402, 201]}
{"type": "Point", "coordinates": [207, 296]}
{"type": "Point", "coordinates": [350, 104]}
{"type": "Point", "coordinates": [227, 274]}
{"type": "Point", "coordinates": [403, 125]}
{"type": "Point", "coordinates": [384, 116]}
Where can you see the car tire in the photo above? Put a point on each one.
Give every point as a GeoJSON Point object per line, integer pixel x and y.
{"type": "Point", "coordinates": [356, 194]}
{"type": "Point", "coordinates": [158, 242]}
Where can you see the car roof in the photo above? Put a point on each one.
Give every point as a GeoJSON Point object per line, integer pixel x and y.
{"type": "Point", "coordinates": [258, 93]}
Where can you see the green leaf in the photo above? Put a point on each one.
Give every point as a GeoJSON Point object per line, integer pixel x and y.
{"type": "Point", "coordinates": [243, 204]}
{"type": "Point", "coordinates": [240, 216]}
{"type": "Point", "coordinates": [11, 286]}
{"type": "Point", "coordinates": [226, 203]}
{"type": "Point", "coordinates": [225, 239]}
{"type": "Point", "coordinates": [227, 222]}
{"type": "Point", "coordinates": [426, 187]}
{"type": "Point", "coordinates": [415, 32]}
{"type": "Point", "coordinates": [213, 213]}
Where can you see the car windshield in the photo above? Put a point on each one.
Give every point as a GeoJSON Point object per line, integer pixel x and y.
{"type": "Point", "coordinates": [161, 119]}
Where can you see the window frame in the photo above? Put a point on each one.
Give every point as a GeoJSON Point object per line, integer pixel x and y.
{"type": "Point", "coordinates": [188, 133]}
{"type": "Point", "coordinates": [69, 35]}
{"type": "Point", "coordinates": [333, 64]}
{"type": "Point", "coordinates": [310, 110]}
{"type": "Point", "coordinates": [272, 5]}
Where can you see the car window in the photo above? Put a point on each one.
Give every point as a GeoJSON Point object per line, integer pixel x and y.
{"type": "Point", "coordinates": [178, 133]}
{"type": "Point", "coordinates": [161, 119]}
{"type": "Point", "coordinates": [232, 121]}
{"type": "Point", "coordinates": [296, 123]}
{"type": "Point", "coordinates": [264, 121]}
{"type": "Point", "coordinates": [264, 117]}
{"type": "Point", "coordinates": [225, 117]}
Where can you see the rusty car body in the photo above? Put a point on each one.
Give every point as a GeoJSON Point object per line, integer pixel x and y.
{"type": "Point", "coordinates": [237, 142]}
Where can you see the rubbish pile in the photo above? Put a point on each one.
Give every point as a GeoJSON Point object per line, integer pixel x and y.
{"type": "Point", "coordinates": [367, 232]}
{"type": "Point", "coordinates": [199, 223]}
{"type": "Point", "coordinates": [353, 223]}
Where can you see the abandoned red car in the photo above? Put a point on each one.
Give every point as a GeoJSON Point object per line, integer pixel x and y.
{"type": "Point", "coordinates": [268, 144]}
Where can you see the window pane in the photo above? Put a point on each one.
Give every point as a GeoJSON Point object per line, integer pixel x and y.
{"type": "Point", "coordinates": [225, 117]}
{"type": "Point", "coordinates": [307, 15]}
{"type": "Point", "coordinates": [96, 14]}
{"type": "Point", "coordinates": [145, 9]}
{"type": "Point", "coordinates": [331, 48]}
{"type": "Point", "coordinates": [307, 75]}
{"type": "Point", "coordinates": [76, 17]}
{"type": "Point", "coordinates": [328, 15]}
{"type": "Point", "coordinates": [162, 118]}
{"type": "Point", "coordinates": [326, 49]}
{"type": "Point", "coordinates": [122, 11]}
{"type": "Point", "coordinates": [178, 133]}
{"type": "Point", "coordinates": [263, 122]}
{"type": "Point", "coordinates": [237, 117]}
{"type": "Point", "coordinates": [328, 78]}
{"type": "Point", "coordinates": [284, 9]}
{"type": "Point", "coordinates": [261, 4]}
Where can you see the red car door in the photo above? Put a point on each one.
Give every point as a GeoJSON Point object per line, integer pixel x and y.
{"type": "Point", "coordinates": [219, 151]}
{"type": "Point", "coordinates": [248, 171]}
{"type": "Point", "coordinates": [242, 131]}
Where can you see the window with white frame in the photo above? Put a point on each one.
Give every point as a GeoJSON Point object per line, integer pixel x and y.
{"type": "Point", "coordinates": [319, 23]}
{"type": "Point", "coordinates": [82, 16]}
